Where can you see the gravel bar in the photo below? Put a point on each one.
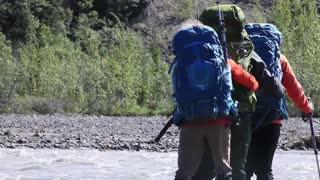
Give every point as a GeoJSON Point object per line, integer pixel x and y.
{"type": "Point", "coordinates": [133, 133]}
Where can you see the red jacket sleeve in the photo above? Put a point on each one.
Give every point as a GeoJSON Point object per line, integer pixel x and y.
{"type": "Point", "coordinates": [242, 77]}
{"type": "Point", "coordinates": [294, 88]}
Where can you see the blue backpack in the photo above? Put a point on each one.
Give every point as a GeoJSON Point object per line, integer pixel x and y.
{"type": "Point", "coordinates": [266, 39]}
{"type": "Point", "coordinates": [201, 77]}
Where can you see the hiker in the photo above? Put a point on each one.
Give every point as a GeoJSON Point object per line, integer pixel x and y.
{"type": "Point", "coordinates": [202, 89]}
{"type": "Point", "coordinates": [240, 49]}
{"type": "Point", "coordinates": [271, 111]}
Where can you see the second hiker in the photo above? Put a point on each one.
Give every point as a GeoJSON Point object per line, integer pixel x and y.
{"type": "Point", "coordinates": [202, 89]}
{"type": "Point", "coordinates": [240, 49]}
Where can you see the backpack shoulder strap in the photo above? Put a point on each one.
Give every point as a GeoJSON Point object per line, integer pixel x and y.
{"type": "Point", "coordinates": [268, 82]}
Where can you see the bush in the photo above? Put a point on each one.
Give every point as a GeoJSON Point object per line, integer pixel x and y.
{"type": "Point", "coordinates": [50, 67]}
{"type": "Point", "coordinates": [8, 73]}
{"type": "Point", "coordinates": [63, 61]}
{"type": "Point", "coordinates": [125, 77]}
{"type": "Point", "coordinates": [300, 24]}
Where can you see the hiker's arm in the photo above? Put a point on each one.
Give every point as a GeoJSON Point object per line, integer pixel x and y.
{"type": "Point", "coordinates": [242, 77]}
{"type": "Point", "coordinates": [267, 82]}
{"type": "Point", "coordinates": [294, 88]}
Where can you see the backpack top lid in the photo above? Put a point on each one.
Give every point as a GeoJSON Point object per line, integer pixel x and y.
{"type": "Point", "coordinates": [191, 35]}
{"type": "Point", "coordinates": [264, 29]}
{"type": "Point", "coordinates": [236, 35]}
{"type": "Point", "coordinates": [266, 39]}
{"type": "Point", "coordinates": [233, 16]}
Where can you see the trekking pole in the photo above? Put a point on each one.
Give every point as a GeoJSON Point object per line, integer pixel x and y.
{"type": "Point", "coordinates": [165, 128]}
{"type": "Point", "coordinates": [223, 32]}
{"type": "Point", "coordinates": [309, 118]}
{"type": "Point", "coordinates": [314, 143]}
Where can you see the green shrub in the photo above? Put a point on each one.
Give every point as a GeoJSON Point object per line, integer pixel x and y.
{"type": "Point", "coordinates": [63, 61]}
{"type": "Point", "coordinates": [300, 24]}
{"type": "Point", "coordinates": [50, 68]}
{"type": "Point", "coordinates": [126, 77]}
{"type": "Point", "coordinates": [8, 73]}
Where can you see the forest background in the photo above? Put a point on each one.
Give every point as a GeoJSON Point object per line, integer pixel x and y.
{"type": "Point", "coordinates": [111, 57]}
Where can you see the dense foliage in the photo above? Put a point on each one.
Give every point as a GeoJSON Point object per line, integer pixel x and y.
{"type": "Point", "coordinates": [80, 56]}
{"type": "Point", "coordinates": [70, 59]}
{"type": "Point", "coordinates": [299, 22]}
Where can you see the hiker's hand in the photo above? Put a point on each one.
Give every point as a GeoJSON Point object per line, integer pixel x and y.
{"type": "Point", "coordinates": [234, 118]}
{"type": "Point", "coordinates": [311, 105]}
{"type": "Point", "coordinates": [307, 116]}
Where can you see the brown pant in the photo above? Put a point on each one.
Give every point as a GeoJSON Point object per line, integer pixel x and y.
{"type": "Point", "coordinates": [192, 146]}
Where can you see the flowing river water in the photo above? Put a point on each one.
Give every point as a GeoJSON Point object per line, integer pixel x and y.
{"type": "Point", "coordinates": [87, 164]}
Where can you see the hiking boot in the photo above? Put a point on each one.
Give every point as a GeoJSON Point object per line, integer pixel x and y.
{"type": "Point", "coordinates": [227, 176]}
{"type": "Point", "coordinates": [268, 176]}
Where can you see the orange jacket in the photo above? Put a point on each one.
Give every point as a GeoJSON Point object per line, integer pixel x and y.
{"type": "Point", "coordinates": [242, 77]}
{"type": "Point", "coordinates": [293, 87]}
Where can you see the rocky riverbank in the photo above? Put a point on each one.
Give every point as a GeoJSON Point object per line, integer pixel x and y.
{"type": "Point", "coordinates": [115, 133]}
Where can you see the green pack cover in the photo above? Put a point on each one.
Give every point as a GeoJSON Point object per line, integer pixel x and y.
{"type": "Point", "coordinates": [237, 39]}
{"type": "Point", "coordinates": [234, 20]}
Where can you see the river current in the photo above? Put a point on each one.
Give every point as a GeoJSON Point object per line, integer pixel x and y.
{"type": "Point", "coordinates": [48, 164]}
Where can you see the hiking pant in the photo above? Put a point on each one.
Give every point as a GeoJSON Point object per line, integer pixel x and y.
{"type": "Point", "coordinates": [240, 138]}
{"type": "Point", "coordinates": [206, 168]}
{"type": "Point", "coordinates": [261, 152]}
{"type": "Point", "coordinates": [192, 145]}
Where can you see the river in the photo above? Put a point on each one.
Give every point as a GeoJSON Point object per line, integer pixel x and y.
{"type": "Point", "coordinates": [87, 164]}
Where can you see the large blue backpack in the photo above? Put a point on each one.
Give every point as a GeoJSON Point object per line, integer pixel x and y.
{"type": "Point", "coordinates": [201, 77]}
{"type": "Point", "coordinates": [266, 39]}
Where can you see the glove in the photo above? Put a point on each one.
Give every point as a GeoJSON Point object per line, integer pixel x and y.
{"type": "Point", "coordinates": [233, 114]}
{"type": "Point", "coordinates": [307, 116]}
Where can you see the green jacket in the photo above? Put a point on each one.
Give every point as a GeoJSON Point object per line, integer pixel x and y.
{"type": "Point", "coordinates": [246, 98]}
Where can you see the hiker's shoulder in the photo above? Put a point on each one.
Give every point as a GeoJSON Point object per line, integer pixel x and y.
{"type": "Point", "coordinates": [283, 59]}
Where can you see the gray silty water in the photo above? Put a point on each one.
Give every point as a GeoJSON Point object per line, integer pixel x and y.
{"type": "Point", "coordinates": [48, 164]}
